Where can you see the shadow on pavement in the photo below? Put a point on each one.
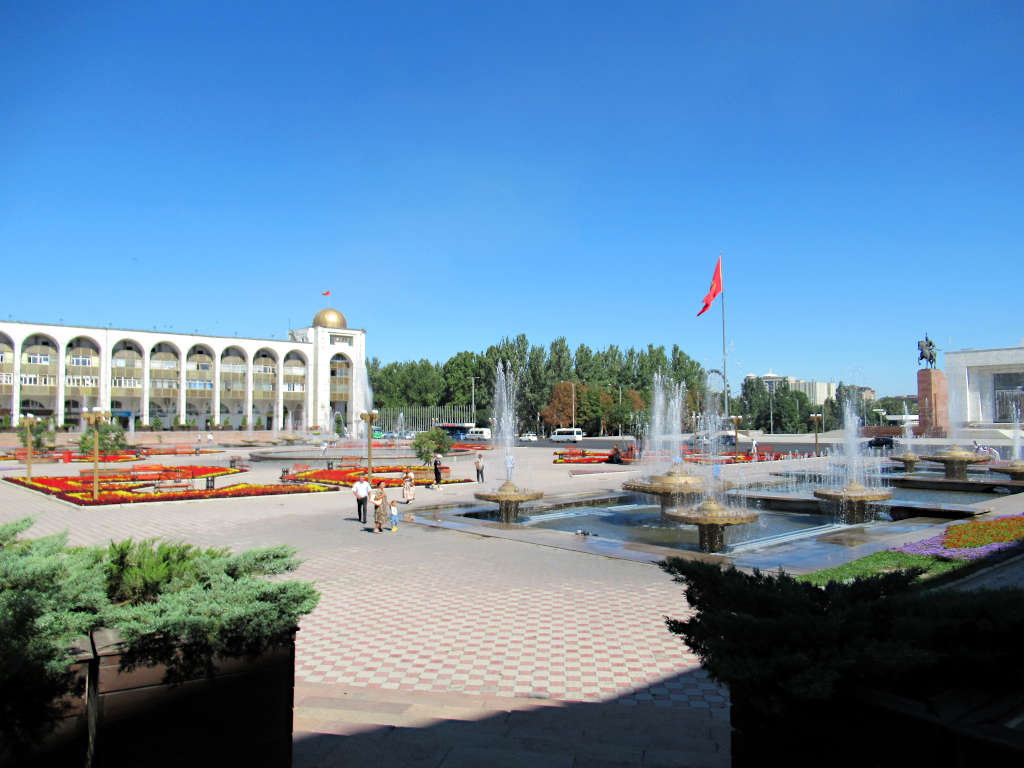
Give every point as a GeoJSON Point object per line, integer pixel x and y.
{"type": "Point", "coordinates": [380, 729]}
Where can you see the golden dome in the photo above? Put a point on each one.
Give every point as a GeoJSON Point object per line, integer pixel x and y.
{"type": "Point", "coordinates": [329, 318]}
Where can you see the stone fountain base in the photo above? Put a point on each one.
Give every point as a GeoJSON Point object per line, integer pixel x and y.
{"type": "Point", "coordinates": [508, 497]}
{"type": "Point", "coordinates": [852, 500]}
{"type": "Point", "coordinates": [711, 519]}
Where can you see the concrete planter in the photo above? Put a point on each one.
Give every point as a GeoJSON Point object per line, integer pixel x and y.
{"type": "Point", "coordinates": [242, 716]}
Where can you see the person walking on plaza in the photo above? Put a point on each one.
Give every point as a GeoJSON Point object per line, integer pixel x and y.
{"type": "Point", "coordinates": [437, 470]}
{"type": "Point", "coordinates": [361, 489]}
{"type": "Point", "coordinates": [394, 516]}
{"type": "Point", "coordinates": [409, 487]}
{"type": "Point", "coordinates": [479, 464]}
{"type": "Point", "coordinates": [381, 508]}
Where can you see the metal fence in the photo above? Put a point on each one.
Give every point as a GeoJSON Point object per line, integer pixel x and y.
{"type": "Point", "coordinates": [420, 417]}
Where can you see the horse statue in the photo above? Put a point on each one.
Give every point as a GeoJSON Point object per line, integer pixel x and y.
{"type": "Point", "coordinates": [926, 349]}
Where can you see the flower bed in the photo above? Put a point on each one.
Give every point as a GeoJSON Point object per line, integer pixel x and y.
{"type": "Point", "coordinates": [972, 540]}
{"type": "Point", "coordinates": [125, 488]}
{"type": "Point", "coordinates": [470, 447]}
{"type": "Point", "coordinates": [347, 476]}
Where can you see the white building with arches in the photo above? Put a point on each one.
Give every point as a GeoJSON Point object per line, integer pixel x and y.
{"type": "Point", "coordinates": [309, 380]}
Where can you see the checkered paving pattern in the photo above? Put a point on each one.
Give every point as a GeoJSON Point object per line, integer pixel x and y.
{"type": "Point", "coordinates": [437, 611]}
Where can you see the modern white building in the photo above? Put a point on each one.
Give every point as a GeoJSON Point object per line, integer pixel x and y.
{"type": "Point", "coordinates": [306, 381]}
{"type": "Point", "coordinates": [986, 386]}
{"type": "Point", "coordinates": [817, 391]}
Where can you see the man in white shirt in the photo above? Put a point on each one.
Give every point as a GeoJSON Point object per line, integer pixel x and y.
{"type": "Point", "coordinates": [361, 490]}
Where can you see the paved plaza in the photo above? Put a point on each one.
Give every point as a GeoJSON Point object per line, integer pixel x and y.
{"type": "Point", "coordinates": [438, 647]}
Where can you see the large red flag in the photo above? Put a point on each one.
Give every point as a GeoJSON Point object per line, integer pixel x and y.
{"type": "Point", "coordinates": [326, 293]}
{"type": "Point", "coordinates": [716, 287]}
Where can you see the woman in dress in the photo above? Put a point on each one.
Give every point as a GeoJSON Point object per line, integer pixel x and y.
{"type": "Point", "coordinates": [409, 487]}
{"type": "Point", "coordinates": [381, 508]}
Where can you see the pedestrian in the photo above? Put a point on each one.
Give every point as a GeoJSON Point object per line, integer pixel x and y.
{"type": "Point", "coordinates": [479, 464]}
{"type": "Point", "coordinates": [753, 450]}
{"type": "Point", "coordinates": [409, 487]}
{"type": "Point", "coordinates": [381, 508]}
{"type": "Point", "coordinates": [361, 489]}
{"type": "Point", "coordinates": [394, 516]}
{"type": "Point", "coordinates": [437, 470]}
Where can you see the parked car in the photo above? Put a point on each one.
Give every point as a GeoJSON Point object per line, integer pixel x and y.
{"type": "Point", "coordinates": [478, 433]}
{"type": "Point", "coordinates": [528, 437]}
{"type": "Point", "coordinates": [880, 442]}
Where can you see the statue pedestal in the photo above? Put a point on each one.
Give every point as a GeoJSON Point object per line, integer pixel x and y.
{"type": "Point", "coordinates": [932, 402]}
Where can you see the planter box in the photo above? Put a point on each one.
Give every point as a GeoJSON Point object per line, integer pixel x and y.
{"type": "Point", "coordinates": [243, 716]}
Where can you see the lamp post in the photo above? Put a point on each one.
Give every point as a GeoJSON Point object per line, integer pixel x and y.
{"type": "Point", "coordinates": [472, 380]}
{"type": "Point", "coordinates": [573, 385]}
{"type": "Point", "coordinates": [736, 430]}
{"type": "Point", "coordinates": [815, 417]}
{"type": "Point", "coordinates": [771, 410]}
{"type": "Point", "coordinates": [881, 415]}
{"type": "Point", "coordinates": [30, 421]}
{"type": "Point", "coordinates": [369, 418]}
{"type": "Point", "coordinates": [95, 419]}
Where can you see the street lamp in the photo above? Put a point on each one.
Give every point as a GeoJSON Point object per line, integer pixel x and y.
{"type": "Point", "coordinates": [472, 380]}
{"type": "Point", "coordinates": [95, 419]}
{"type": "Point", "coordinates": [815, 417]}
{"type": "Point", "coordinates": [573, 385]}
{"type": "Point", "coordinates": [30, 422]}
{"type": "Point", "coordinates": [369, 418]}
{"type": "Point", "coordinates": [881, 415]}
{"type": "Point", "coordinates": [736, 430]}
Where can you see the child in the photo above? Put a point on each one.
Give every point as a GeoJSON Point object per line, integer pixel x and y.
{"type": "Point", "coordinates": [394, 516]}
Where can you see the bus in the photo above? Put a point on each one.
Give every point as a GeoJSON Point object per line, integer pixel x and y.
{"type": "Point", "coordinates": [456, 431]}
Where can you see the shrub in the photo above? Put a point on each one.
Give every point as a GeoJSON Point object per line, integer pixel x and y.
{"type": "Point", "coordinates": [156, 423]}
{"type": "Point", "coordinates": [785, 647]}
{"type": "Point", "coordinates": [42, 434]}
{"type": "Point", "coordinates": [429, 443]}
{"type": "Point", "coordinates": [173, 603]}
{"type": "Point", "coordinates": [112, 439]}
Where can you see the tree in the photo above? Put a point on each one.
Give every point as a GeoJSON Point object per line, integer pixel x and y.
{"type": "Point", "coordinates": [459, 387]}
{"type": "Point", "coordinates": [427, 444]}
{"type": "Point", "coordinates": [112, 439]}
{"type": "Point", "coordinates": [560, 366]}
{"type": "Point", "coordinates": [559, 411]}
{"type": "Point", "coordinates": [43, 437]}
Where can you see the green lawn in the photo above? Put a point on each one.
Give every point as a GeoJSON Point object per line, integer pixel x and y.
{"type": "Point", "coordinates": [883, 562]}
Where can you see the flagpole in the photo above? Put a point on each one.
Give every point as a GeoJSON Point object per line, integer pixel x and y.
{"type": "Point", "coordinates": [725, 366]}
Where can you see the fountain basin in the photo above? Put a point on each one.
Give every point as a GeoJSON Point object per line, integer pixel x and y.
{"type": "Point", "coordinates": [675, 487]}
{"type": "Point", "coordinates": [909, 460]}
{"type": "Point", "coordinates": [851, 501]}
{"type": "Point", "coordinates": [711, 518]}
{"type": "Point", "coordinates": [1015, 469]}
{"type": "Point", "coordinates": [956, 460]}
{"type": "Point", "coordinates": [508, 498]}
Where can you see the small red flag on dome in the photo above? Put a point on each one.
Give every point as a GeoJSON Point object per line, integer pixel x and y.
{"type": "Point", "coordinates": [326, 293]}
{"type": "Point", "coordinates": [716, 287]}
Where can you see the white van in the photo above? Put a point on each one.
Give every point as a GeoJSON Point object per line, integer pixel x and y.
{"type": "Point", "coordinates": [567, 435]}
{"type": "Point", "coordinates": [478, 433]}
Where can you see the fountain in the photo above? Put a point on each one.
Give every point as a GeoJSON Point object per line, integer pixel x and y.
{"type": "Point", "coordinates": [908, 458]}
{"type": "Point", "coordinates": [711, 519]}
{"type": "Point", "coordinates": [851, 501]}
{"type": "Point", "coordinates": [1015, 469]}
{"type": "Point", "coordinates": [509, 495]}
{"type": "Point", "coordinates": [956, 459]}
{"type": "Point", "coordinates": [676, 486]}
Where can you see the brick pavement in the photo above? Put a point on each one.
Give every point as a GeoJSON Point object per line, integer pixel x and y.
{"type": "Point", "coordinates": [427, 614]}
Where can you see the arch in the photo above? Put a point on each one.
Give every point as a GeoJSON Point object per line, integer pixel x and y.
{"type": "Point", "coordinates": [163, 347]}
{"type": "Point", "coordinates": [82, 344]}
{"type": "Point", "coordinates": [6, 345]}
{"type": "Point", "coordinates": [234, 351]}
{"type": "Point", "coordinates": [200, 349]}
{"type": "Point", "coordinates": [127, 345]}
{"type": "Point", "coordinates": [292, 354]}
{"type": "Point", "coordinates": [33, 405]}
{"type": "Point", "coordinates": [38, 341]}
{"type": "Point", "coordinates": [265, 352]}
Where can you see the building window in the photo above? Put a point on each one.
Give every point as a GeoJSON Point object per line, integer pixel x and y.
{"type": "Point", "coordinates": [265, 369]}
{"type": "Point", "coordinates": [6, 378]}
{"type": "Point", "coordinates": [127, 362]}
{"type": "Point", "coordinates": [199, 384]}
{"type": "Point", "coordinates": [293, 370]}
{"type": "Point", "coordinates": [81, 381]}
{"type": "Point", "coordinates": [81, 360]}
{"type": "Point", "coordinates": [3, 357]}
{"type": "Point", "coordinates": [198, 366]}
{"type": "Point", "coordinates": [232, 368]}
{"type": "Point", "coordinates": [339, 339]}
{"type": "Point", "coordinates": [126, 383]}
{"type": "Point", "coordinates": [37, 380]}
{"type": "Point", "coordinates": [37, 359]}
{"type": "Point", "coordinates": [166, 365]}
{"type": "Point", "coordinates": [294, 386]}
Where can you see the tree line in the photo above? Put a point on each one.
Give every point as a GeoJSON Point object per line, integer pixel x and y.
{"type": "Point", "coordinates": [607, 390]}
{"type": "Point", "coordinates": [610, 387]}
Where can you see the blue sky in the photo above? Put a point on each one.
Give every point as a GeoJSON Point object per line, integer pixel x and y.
{"type": "Point", "coordinates": [458, 172]}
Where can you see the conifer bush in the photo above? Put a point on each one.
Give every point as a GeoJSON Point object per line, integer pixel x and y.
{"type": "Point", "coordinates": [174, 604]}
{"type": "Point", "coordinates": [785, 647]}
